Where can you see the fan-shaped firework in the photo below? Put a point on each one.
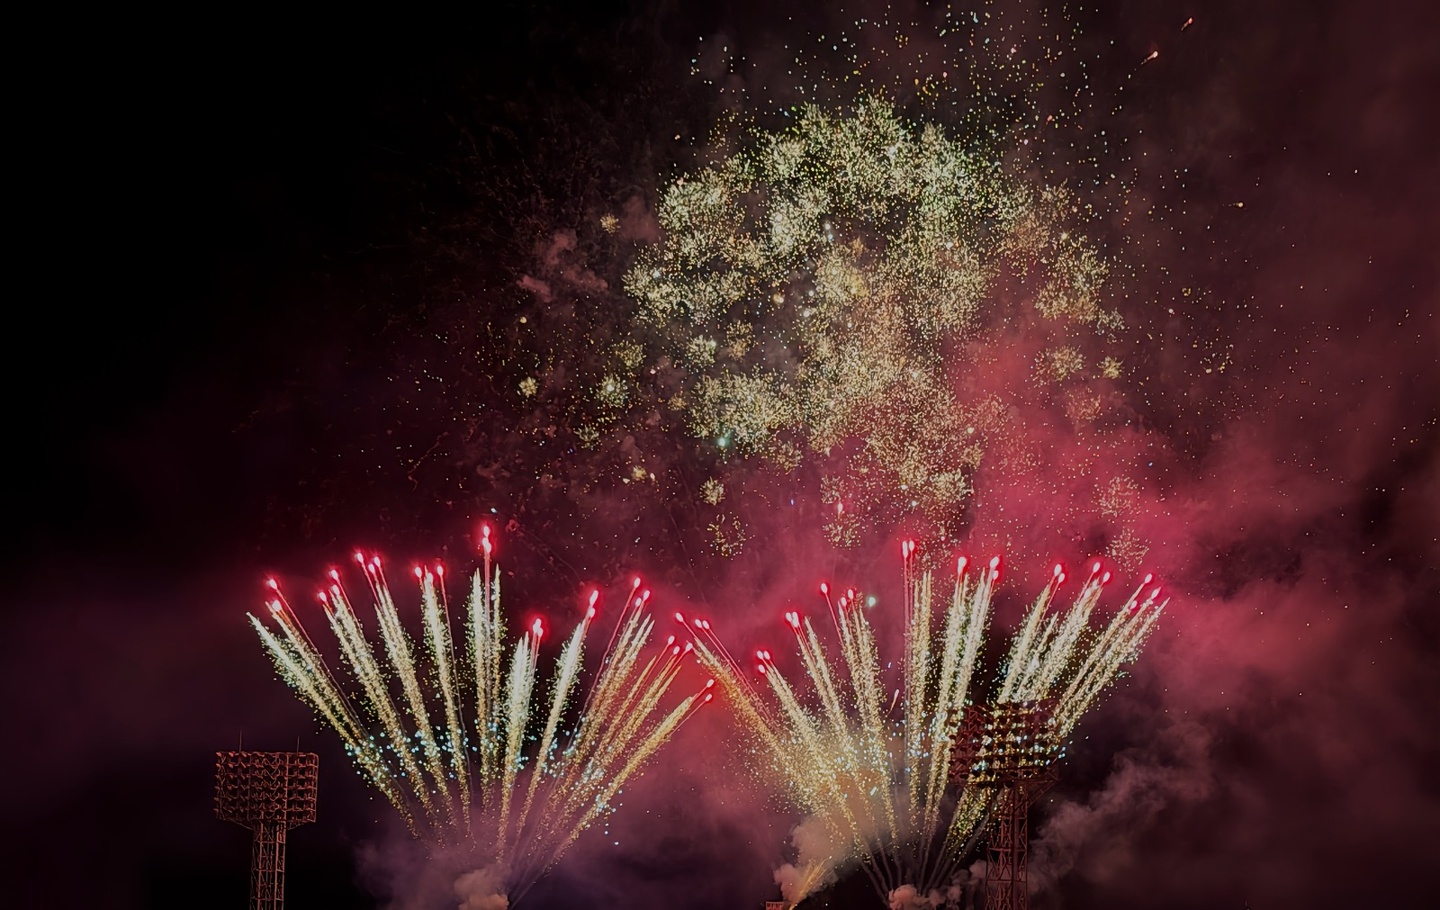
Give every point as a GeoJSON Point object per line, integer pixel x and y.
{"type": "Point", "coordinates": [460, 750]}
{"type": "Point", "coordinates": [838, 291]}
{"type": "Point", "coordinates": [873, 768]}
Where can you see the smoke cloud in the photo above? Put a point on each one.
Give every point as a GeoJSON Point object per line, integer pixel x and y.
{"type": "Point", "coordinates": [815, 845]}
{"type": "Point", "coordinates": [907, 897]}
{"type": "Point", "coordinates": [482, 889]}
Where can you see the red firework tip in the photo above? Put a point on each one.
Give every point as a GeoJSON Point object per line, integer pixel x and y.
{"type": "Point", "coordinates": [537, 628]}
{"type": "Point", "coordinates": [360, 557]}
{"type": "Point", "coordinates": [680, 618]}
{"type": "Point", "coordinates": [644, 595]}
{"type": "Point", "coordinates": [635, 584]}
{"type": "Point", "coordinates": [675, 651]}
{"type": "Point", "coordinates": [594, 596]}
{"type": "Point", "coordinates": [590, 613]}
{"type": "Point", "coordinates": [689, 646]}
{"type": "Point", "coordinates": [1155, 594]}
{"type": "Point", "coordinates": [375, 561]}
{"type": "Point", "coordinates": [670, 641]}
{"type": "Point", "coordinates": [793, 619]}
{"type": "Point", "coordinates": [760, 655]}
{"type": "Point", "coordinates": [1148, 578]}
{"type": "Point", "coordinates": [274, 606]}
{"type": "Point", "coordinates": [706, 625]}
{"type": "Point", "coordinates": [334, 575]}
{"type": "Point", "coordinates": [1060, 579]}
{"type": "Point", "coordinates": [708, 696]}
{"type": "Point", "coordinates": [698, 624]}
{"type": "Point", "coordinates": [824, 588]}
{"type": "Point", "coordinates": [1105, 579]}
{"type": "Point", "coordinates": [1095, 568]}
{"type": "Point", "coordinates": [710, 683]}
{"type": "Point", "coordinates": [960, 565]}
{"type": "Point", "coordinates": [272, 584]}
{"type": "Point", "coordinates": [419, 572]}
{"type": "Point", "coordinates": [760, 668]}
{"type": "Point", "coordinates": [484, 531]}
{"type": "Point", "coordinates": [849, 593]}
{"type": "Point", "coordinates": [1059, 570]}
{"type": "Point", "coordinates": [439, 570]}
{"type": "Point", "coordinates": [994, 562]}
{"type": "Point", "coordinates": [320, 596]}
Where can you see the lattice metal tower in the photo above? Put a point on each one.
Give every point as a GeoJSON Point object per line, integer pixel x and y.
{"type": "Point", "coordinates": [1009, 748]}
{"type": "Point", "coordinates": [269, 793]}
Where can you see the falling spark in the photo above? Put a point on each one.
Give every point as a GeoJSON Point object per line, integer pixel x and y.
{"type": "Point", "coordinates": [820, 293]}
{"type": "Point", "coordinates": [876, 771]}
{"type": "Point", "coordinates": [444, 733]}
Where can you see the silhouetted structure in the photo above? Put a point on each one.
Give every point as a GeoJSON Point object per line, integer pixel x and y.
{"type": "Point", "coordinates": [269, 793]}
{"type": "Point", "coordinates": [1007, 747]}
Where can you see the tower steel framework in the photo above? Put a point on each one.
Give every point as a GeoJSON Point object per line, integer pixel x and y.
{"type": "Point", "coordinates": [1009, 748]}
{"type": "Point", "coordinates": [269, 793]}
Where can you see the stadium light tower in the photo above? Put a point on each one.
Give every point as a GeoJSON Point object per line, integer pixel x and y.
{"type": "Point", "coordinates": [1009, 747]}
{"type": "Point", "coordinates": [269, 793]}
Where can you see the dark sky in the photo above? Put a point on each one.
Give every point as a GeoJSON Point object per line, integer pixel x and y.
{"type": "Point", "coordinates": [270, 269]}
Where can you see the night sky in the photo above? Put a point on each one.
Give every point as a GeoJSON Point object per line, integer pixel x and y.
{"type": "Point", "coordinates": [275, 273]}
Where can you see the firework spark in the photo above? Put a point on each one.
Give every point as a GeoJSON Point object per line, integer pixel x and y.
{"type": "Point", "coordinates": [456, 739]}
{"type": "Point", "coordinates": [872, 767]}
{"type": "Point", "coordinates": [838, 292]}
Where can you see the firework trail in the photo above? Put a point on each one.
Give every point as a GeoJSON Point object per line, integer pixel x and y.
{"type": "Point", "coordinates": [871, 762]}
{"type": "Point", "coordinates": [444, 732]}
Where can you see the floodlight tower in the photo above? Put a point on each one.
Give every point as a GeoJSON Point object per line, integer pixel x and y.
{"type": "Point", "coordinates": [1010, 748]}
{"type": "Point", "coordinates": [269, 793]}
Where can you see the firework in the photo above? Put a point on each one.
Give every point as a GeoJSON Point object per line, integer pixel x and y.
{"type": "Point", "coordinates": [853, 292]}
{"type": "Point", "coordinates": [869, 758]}
{"type": "Point", "coordinates": [458, 739]}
